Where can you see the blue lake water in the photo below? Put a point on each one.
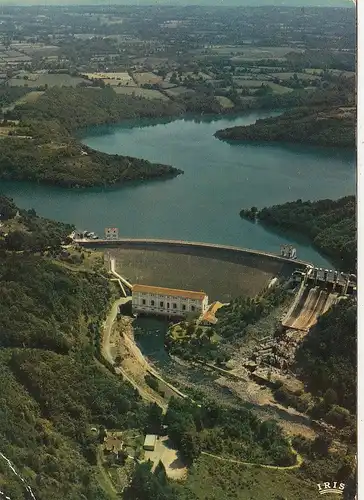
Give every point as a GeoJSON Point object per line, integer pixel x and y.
{"type": "Point", "coordinates": [203, 204]}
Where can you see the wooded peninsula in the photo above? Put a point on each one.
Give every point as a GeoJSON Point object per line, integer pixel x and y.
{"type": "Point", "coordinates": [42, 146]}
{"type": "Point", "coordinates": [330, 225]}
{"type": "Point", "coordinates": [317, 126]}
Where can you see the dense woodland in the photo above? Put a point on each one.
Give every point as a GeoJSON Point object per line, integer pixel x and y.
{"type": "Point", "coordinates": [53, 388]}
{"type": "Point", "coordinates": [320, 126]}
{"type": "Point", "coordinates": [327, 358]}
{"type": "Point", "coordinates": [74, 108]}
{"type": "Point", "coordinates": [50, 154]}
{"type": "Point", "coordinates": [68, 164]}
{"type": "Point", "coordinates": [327, 363]}
{"type": "Point", "coordinates": [234, 318]}
{"type": "Point", "coordinates": [227, 432]}
{"type": "Point", "coordinates": [10, 94]}
{"type": "Point", "coordinates": [322, 116]}
{"type": "Point", "coordinates": [331, 225]}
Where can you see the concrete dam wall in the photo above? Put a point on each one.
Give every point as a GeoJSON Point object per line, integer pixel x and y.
{"type": "Point", "coordinates": [222, 272]}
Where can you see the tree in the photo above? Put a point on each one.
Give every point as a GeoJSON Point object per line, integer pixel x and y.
{"type": "Point", "coordinates": [122, 456]}
{"type": "Point", "coordinates": [330, 397]}
{"type": "Point", "coordinates": [154, 419]}
{"type": "Point", "coordinates": [32, 213]}
{"type": "Point", "coordinates": [321, 445]}
{"type": "Point", "coordinates": [145, 485]}
{"type": "Point", "coordinates": [173, 79]}
{"type": "Point", "coordinates": [190, 330]}
{"type": "Point", "coordinates": [191, 446]}
{"type": "Point", "coordinates": [210, 333]}
{"type": "Point", "coordinates": [7, 208]}
{"type": "Point", "coordinates": [17, 240]}
{"type": "Point", "coordinates": [102, 433]}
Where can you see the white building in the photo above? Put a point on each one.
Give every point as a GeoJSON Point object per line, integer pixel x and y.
{"type": "Point", "coordinates": [168, 301]}
{"type": "Point", "coordinates": [149, 442]}
{"type": "Point", "coordinates": [111, 233]}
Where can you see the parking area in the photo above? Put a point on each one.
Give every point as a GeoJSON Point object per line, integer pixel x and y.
{"type": "Point", "coordinates": [169, 456]}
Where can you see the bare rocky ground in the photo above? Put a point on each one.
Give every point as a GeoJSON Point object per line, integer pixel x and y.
{"type": "Point", "coordinates": [258, 358]}
{"type": "Point", "coordinates": [134, 367]}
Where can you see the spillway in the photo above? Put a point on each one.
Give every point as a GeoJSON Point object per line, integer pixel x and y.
{"type": "Point", "coordinates": [311, 303]}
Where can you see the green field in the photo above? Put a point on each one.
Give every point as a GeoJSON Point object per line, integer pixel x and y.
{"type": "Point", "coordinates": [336, 72]}
{"type": "Point", "coordinates": [289, 75]}
{"type": "Point", "coordinates": [143, 78]}
{"type": "Point", "coordinates": [52, 80]}
{"type": "Point", "coordinates": [253, 84]}
{"type": "Point", "coordinates": [249, 52]}
{"type": "Point", "coordinates": [225, 102]}
{"type": "Point", "coordinates": [179, 91]}
{"type": "Point", "coordinates": [31, 97]}
{"type": "Point", "coordinates": [146, 93]}
{"type": "Point", "coordinates": [279, 89]}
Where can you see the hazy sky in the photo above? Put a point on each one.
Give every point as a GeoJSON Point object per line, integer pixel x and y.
{"type": "Point", "coordinates": [292, 3]}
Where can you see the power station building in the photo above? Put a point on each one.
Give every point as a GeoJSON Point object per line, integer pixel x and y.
{"type": "Point", "coordinates": [111, 233]}
{"type": "Point", "coordinates": [168, 301]}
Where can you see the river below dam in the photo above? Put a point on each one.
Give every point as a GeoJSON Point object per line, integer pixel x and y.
{"type": "Point", "coordinates": [203, 204]}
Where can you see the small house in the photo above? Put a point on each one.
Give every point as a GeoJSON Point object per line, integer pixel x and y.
{"type": "Point", "coordinates": [113, 443]}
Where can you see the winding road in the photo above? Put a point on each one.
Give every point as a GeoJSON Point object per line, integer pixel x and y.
{"type": "Point", "coordinates": [106, 353]}
{"type": "Point", "coordinates": [297, 465]}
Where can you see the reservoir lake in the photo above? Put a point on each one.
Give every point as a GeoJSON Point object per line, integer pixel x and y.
{"type": "Point", "coordinates": [203, 204]}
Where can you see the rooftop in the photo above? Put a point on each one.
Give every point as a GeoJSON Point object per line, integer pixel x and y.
{"type": "Point", "coordinates": [211, 311]}
{"type": "Point", "coordinates": [174, 292]}
{"type": "Point", "coordinates": [113, 443]}
{"type": "Point", "coordinates": [150, 440]}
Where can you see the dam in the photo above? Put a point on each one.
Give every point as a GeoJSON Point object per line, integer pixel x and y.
{"type": "Point", "coordinates": [223, 272]}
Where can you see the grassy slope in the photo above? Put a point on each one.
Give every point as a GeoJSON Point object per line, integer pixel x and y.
{"type": "Point", "coordinates": [237, 482]}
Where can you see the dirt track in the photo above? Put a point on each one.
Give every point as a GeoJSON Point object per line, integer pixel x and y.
{"type": "Point", "coordinates": [134, 369]}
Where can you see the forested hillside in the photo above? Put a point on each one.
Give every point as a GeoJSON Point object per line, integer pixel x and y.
{"type": "Point", "coordinates": [320, 126]}
{"type": "Point", "coordinates": [327, 357]}
{"type": "Point", "coordinates": [10, 94]}
{"type": "Point", "coordinates": [41, 148]}
{"type": "Point", "coordinates": [233, 432]}
{"type": "Point", "coordinates": [327, 363]}
{"type": "Point", "coordinates": [331, 225]}
{"type": "Point", "coordinates": [52, 387]}
{"type": "Point", "coordinates": [74, 108]}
